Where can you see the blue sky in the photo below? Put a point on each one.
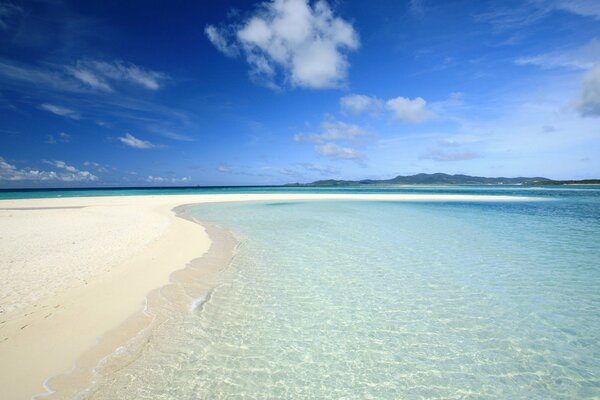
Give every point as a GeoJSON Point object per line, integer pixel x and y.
{"type": "Point", "coordinates": [138, 93]}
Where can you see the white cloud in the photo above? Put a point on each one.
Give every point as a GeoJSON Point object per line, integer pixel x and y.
{"type": "Point", "coordinates": [9, 172]}
{"type": "Point", "coordinates": [336, 151]}
{"type": "Point", "coordinates": [160, 179]}
{"type": "Point", "coordinates": [589, 98]}
{"type": "Point", "coordinates": [586, 8]}
{"type": "Point", "coordinates": [404, 109]}
{"type": "Point", "coordinates": [332, 130]}
{"type": "Point", "coordinates": [218, 40]}
{"type": "Point", "coordinates": [336, 139]}
{"type": "Point", "coordinates": [136, 143]}
{"type": "Point", "coordinates": [60, 110]}
{"type": "Point", "coordinates": [407, 110]}
{"type": "Point", "coordinates": [61, 165]}
{"type": "Point", "coordinates": [97, 166]}
{"type": "Point", "coordinates": [305, 45]}
{"type": "Point", "coordinates": [93, 80]}
{"type": "Point", "coordinates": [584, 57]}
{"type": "Point", "coordinates": [358, 103]}
{"type": "Point", "coordinates": [95, 74]}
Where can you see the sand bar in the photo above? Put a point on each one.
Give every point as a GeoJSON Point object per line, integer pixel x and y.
{"type": "Point", "coordinates": [72, 270]}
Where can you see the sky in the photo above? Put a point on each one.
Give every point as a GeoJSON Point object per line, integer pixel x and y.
{"type": "Point", "coordinates": [144, 93]}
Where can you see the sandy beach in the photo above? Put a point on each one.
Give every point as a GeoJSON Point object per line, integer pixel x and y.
{"type": "Point", "coordinates": [74, 270]}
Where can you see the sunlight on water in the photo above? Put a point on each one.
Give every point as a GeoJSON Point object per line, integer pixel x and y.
{"type": "Point", "coordinates": [389, 300]}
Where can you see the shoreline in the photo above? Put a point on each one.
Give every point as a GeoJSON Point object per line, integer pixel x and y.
{"type": "Point", "coordinates": [40, 352]}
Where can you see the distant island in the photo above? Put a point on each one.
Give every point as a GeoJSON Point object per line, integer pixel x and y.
{"type": "Point", "coordinates": [446, 179]}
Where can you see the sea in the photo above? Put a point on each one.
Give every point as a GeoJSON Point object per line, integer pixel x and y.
{"type": "Point", "coordinates": [385, 300]}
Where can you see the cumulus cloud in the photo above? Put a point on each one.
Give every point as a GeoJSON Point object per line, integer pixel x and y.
{"type": "Point", "coordinates": [66, 173]}
{"type": "Point", "coordinates": [407, 110]}
{"type": "Point", "coordinates": [60, 110]}
{"type": "Point", "coordinates": [331, 134]}
{"type": "Point", "coordinates": [97, 74]}
{"type": "Point", "coordinates": [402, 108]}
{"type": "Point", "coordinates": [136, 143]}
{"type": "Point", "coordinates": [160, 179]}
{"type": "Point", "coordinates": [292, 42]}
{"type": "Point", "coordinates": [589, 98]}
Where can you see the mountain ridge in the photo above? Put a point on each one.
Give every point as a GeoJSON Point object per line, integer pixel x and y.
{"type": "Point", "coordinates": [428, 179]}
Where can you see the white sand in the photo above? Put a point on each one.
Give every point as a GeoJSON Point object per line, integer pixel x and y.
{"type": "Point", "coordinates": [74, 269]}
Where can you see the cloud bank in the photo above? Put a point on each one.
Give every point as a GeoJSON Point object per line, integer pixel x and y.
{"type": "Point", "coordinates": [65, 173]}
{"type": "Point", "coordinates": [290, 42]}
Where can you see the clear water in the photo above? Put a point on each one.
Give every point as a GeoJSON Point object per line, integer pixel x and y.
{"type": "Point", "coordinates": [518, 190]}
{"type": "Point", "coordinates": [390, 300]}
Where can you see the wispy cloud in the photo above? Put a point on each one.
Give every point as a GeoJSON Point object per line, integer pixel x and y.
{"type": "Point", "coordinates": [8, 11]}
{"type": "Point", "coordinates": [60, 110]}
{"type": "Point", "coordinates": [332, 130]}
{"type": "Point", "coordinates": [97, 166]}
{"type": "Point", "coordinates": [96, 74]}
{"type": "Point", "coordinates": [65, 173]}
{"type": "Point", "coordinates": [61, 137]}
{"type": "Point", "coordinates": [583, 58]}
{"type": "Point", "coordinates": [417, 7]}
{"type": "Point", "coordinates": [290, 41]}
{"type": "Point", "coordinates": [589, 99]}
{"type": "Point", "coordinates": [160, 179]}
{"type": "Point", "coordinates": [131, 141]}
{"type": "Point", "coordinates": [82, 76]}
{"type": "Point", "coordinates": [334, 150]}
{"type": "Point", "coordinates": [324, 170]}
{"type": "Point", "coordinates": [39, 77]}
{"type": "Point", "coordinates": [359, 103]}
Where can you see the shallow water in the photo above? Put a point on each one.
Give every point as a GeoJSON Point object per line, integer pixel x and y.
{"type": "Point", "coordinates": [389, 300]}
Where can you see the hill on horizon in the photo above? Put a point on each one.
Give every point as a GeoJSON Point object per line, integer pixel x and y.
{"type": "Point", "coordinates": [428, 179]}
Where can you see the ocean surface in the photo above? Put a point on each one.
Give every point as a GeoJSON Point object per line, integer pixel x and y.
{"type": "Point", "coordinates": [389, 300]}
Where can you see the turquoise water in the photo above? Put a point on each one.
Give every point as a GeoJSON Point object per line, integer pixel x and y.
{"type": "Point", "coordinates": [519, 190]}
{"type": "Point", "coordinates": [390, 300]}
